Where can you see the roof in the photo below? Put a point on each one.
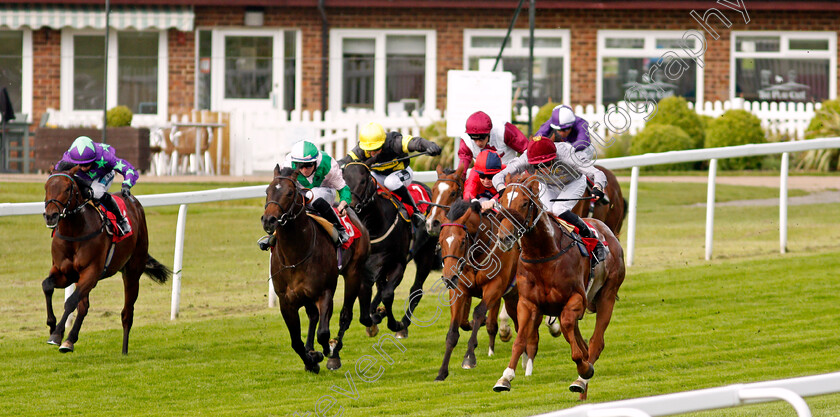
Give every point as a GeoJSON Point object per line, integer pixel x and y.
{"type": "Point", "coordinates": [803, 5]}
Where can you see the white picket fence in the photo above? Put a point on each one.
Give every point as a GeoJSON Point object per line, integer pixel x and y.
{"type": "Point", "coordinates": [776, 118]}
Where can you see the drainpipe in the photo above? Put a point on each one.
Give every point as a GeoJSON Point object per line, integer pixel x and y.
{"type": "Point", "coordinates": [325, 28]}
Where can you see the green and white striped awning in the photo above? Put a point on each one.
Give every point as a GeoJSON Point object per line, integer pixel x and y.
{"type": "Point", "coordinates": [80, 17]}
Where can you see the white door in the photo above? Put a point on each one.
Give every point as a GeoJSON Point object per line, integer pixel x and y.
{"type": "Point", "coordinates": [247, 73]}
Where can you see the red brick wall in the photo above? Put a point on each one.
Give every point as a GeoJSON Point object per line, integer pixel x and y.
{"type": "Point", "coordinates": [449, 26]}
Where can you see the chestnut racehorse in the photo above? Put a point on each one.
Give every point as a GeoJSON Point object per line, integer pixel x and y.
{"type": "Point", "coordinates": [304, 269]}
{"type": "Point", "coordinates": [474, 266]}
{"type": "Point", "coordinates": [83, 253]}
{"type": "Point", "coordinates": [554, 279]}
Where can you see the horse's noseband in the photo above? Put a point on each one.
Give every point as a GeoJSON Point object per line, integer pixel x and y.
{"type": "Point", "coordinates": [290, 214]}
{"type": "Point", "coordinates": [64, 206]}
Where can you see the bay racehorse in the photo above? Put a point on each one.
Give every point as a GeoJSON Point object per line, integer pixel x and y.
{"type": "Point", "coordinates": [474, 266]}
{"type": "Point", "coordinates": [390, 237]}
{"type": "Point", "coordinates": [448, 188]}
{"type": "Point", "coordinates": [554, 279]}
{"type": "Point", "coordinates": [304, 269]}
{"type": "Point", "coordinates": [612, 213]}
{"type": "Point", "coordinates": [83, 253]}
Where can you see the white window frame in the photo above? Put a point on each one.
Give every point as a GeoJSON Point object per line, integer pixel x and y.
{"type": "Point", "coordinates": [649, 50]}
{"type": "Point", "coordinates": [337, 37]}
{"type": "Point", "coordinates": [786, 53]}
{"type": "Point", "coordinates": [517, 50]}
{"type": "Point", "coordinates": [26, 93]}
{"type": "Point", "coordinates": [67, 74]}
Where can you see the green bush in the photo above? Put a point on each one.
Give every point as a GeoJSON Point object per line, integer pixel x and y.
{"type": "Point", "coordinates": [542, 116]}
{"type": "Point", "coordinates": [619, 145]}
{"type": "Point", "coordinates": [826, 123]}
{"type": "Point", "coordinates": [436, 132]}
{"type": "Point", "coordinates": [662, 138]}
{"type": "Point", "coordinates": [736, 127]}
{"type": "Point", "coordinates": [674, 111]}
{"type": "Point", "coordinates": [119, 116]}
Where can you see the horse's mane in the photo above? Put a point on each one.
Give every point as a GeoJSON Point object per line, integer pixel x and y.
{"type": "Point", "coordinates": [448, 171]}
{"type": "Point", "coordinates": [458, 209]}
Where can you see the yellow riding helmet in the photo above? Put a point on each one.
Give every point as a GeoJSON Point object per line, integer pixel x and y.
{"type": "Point", "coordinates": [372, 137]}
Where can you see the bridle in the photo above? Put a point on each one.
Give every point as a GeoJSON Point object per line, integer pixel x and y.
{"type": "Point", "coordinates": [64, 207]}
{"type": "Point", "coordinates": [291, 214]}
{"type": "Point", "coordinates": [531, 208]}
{"type": "Point", "coordinates": [533, 224]}
{"type": "Point", "coordinates": [460, 261]}
{"type": "Point", "coordinates": [369, 191]}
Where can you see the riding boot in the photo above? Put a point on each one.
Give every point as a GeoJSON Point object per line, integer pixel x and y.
{"type": "Point", "coordinates": [267, 241]}
{"type": "Point", "coordinates": [111, 205]}
{"type": "Point", "coordinates": [326, 211]}
{"type": "Point", "coordinates": [599, 253]}
{"type": "Point", "coordinates": [418, 219]}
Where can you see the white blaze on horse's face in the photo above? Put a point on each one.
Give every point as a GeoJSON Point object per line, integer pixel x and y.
{"type": "Point", "coordinates": [277, 186]}
{"type": "Point", "coordinates": [511, 195]}
{"type": "Point", "coordinates": [449, 240]}
{"type": "Point", "coordinates": [441, 188]}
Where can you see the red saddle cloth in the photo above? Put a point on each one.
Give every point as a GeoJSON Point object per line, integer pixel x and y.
{"type": "Point", "coordinates": [113, 219]}
{"type": "Point", "coordinates": [591, 242]}
{"type": "Point", "coordinates": [418, 193]}
{"type": "Point", "coordinates": [351, 228]}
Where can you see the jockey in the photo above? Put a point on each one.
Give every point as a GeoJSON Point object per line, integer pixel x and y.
{"type": "Point", "coordinates": [482, 134]}
{"type": "Point", "coordinates": [375, 146]}
{"type": "Point", "coordinates": [564, 126]}
{"type": "Point", "coordinates": [97, 166]}
{"type": "Point", "coordinates": [320, 173]}
{"type": "Point", "coordinates": [480, 185]}
{"type": "Point", "coordinates": [567, 180]}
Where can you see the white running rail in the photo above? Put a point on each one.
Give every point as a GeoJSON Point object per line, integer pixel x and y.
{"type": "Point", "coordinates": [790, 390]}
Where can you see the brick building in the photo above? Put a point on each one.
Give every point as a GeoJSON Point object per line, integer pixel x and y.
{"type": "Point", "coordinates": [171, 56]}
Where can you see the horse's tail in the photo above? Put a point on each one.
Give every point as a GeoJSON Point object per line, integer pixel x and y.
{"type": "Point", "coordinates": [157, 271]}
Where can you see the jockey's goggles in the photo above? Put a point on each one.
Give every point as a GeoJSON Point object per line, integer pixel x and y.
{"type": "Point", "coordinates": [486, 176]}
{"type": "Point", "coordinates": [562, 129]}
{"type": "Point", "coordinates": [478, 136]}
{"type": "Point", "coordinates": [302, 165]}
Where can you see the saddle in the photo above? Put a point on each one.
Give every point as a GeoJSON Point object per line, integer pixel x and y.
{"type": "Point", "coordinates": [352, 231]}
{"type": "Point", "coordinates": [111, 225]}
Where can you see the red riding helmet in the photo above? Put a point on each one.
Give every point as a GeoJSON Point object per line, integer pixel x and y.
{"type": "Point", "coordinates": [488, 162]}
{"type": "Point", "coordinates": [479, 124]}
{"type": "Point", "coordinates": [540, 150]}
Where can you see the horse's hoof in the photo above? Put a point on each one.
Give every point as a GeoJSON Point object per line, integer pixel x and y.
{"type": "Point", "coordinates": [314, 368]}
{"type": "Point", "coordinates": [580, 386]}
{"type": "Point", "coordinates": [468, 363]}
{"type": "Point", "coordinates": [66, 347]}
{"type": "Point", "coordinates": [505, 334]}
{"type": "Point", "coordinates": [333, 363]}
{"type": "Point", "coordinates": [402, 334]}
{"type": "Point", "coordinates": [52, 342]}
{"type": "Point", "coordinates": [590, 372]}
{"type": "Point", "coordinates": [316, 356]}
{"type": "Point", "coordinates": [502, 385]}
{"type": "Point", "coordinates": [553, 326]}
{"type": "Point", "coordinates": [372, 331]}
{"type": "Point", "coordinates": [55, 339]}
{"type": "Point", "coordinates": [442, 376]}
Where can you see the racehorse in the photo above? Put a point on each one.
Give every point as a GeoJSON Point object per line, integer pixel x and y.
{"type": "Point", "coordinates": [391, 236]}
{"type": "Point", "coordinates": [612, 213]}
{"type": "Point", "coordinates": [554, 279]}
{"type": "Point", "coordinates": [448, 188]}
{"type": "Point", "coordinates": [304, 269]}
{"type": "Point", "coordinates": [83, 253]}
{"type": "Point", "coordinates": [474, 266]}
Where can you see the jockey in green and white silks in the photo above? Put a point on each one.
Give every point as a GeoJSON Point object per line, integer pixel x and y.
{"type": "Point", "coordinates": [320, 173]}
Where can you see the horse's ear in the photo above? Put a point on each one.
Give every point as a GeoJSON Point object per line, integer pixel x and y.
{"type": "Point", "coordinates": [459, 171]}
{"type": "Point", "coordinates": [439, 170]}
{"type": "Point", "coordinates": [277, 170]}
{"type": "Point", "coordinates": [508, 178]}
{"type": "Point", "coordinates": [73, 170]}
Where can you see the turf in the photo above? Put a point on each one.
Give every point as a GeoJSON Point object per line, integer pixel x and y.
{"type": "Point", "coordinates": [682, 323]}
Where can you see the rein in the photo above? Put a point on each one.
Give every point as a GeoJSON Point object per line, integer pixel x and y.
{"type": "Point", "coordinates": [533, 225]}
{"type": "Point", "coordinates": [309, 253]}
{"type": "Point", "coordinates": [285, 217]}
{"type": "Point", "coordinates": [65, 211]}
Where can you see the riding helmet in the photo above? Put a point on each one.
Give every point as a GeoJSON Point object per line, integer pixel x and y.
{"type": "Point", "coordinates": [82, 151]}
{"type": "Point", "coordinates": [488, 162]}
{"type": "Point", "coordinates": [562, 117]}
{"type": "Point", "coordinates": [372, 136]}
{"type": "Point", "coordinates": [304, 152]}
{"type": "Point", "coordinates": [479, 123]}
{"type": "Point", "coordinates": [540, 150]}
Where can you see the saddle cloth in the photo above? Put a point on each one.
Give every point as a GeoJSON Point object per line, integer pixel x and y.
{"type": "Point", "coordinates": [112, 219]}
{"type": "Point", "coordinates": [589, 242]}
{"type": "Point", "coordinates": [418, 193]}
{"type": "Point", "coordinates": [351, 228]}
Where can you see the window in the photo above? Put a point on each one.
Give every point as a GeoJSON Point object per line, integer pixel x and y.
{"type": "Point", "coordinates": [16, 68]}
{"type": "Point", "coordinates": [784, 66]}
{"type": "Point", "coordinates": [387, 71]}
{"type": "Point", "coordinates": [551, 60]}
{"type": "Point", "coordinates": [136, 78]}
{"type": "Point", "coordinates": [625, 59]}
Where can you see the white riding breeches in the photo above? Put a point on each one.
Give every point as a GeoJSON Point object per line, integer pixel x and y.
{"type": "Point", "coordinates": [327, 193]}
{"type": "Point", "coordinates": [101, 186]}
{"type": "Point", "coordinates": [396, 179]}
{"type": "Point", "coordinates": [573, 189]}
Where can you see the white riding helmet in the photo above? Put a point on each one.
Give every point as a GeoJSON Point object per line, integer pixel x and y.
{"type": "Point", "coordinates": [304, 152]}
{"type": "Point", "coordinates": [562, 117]}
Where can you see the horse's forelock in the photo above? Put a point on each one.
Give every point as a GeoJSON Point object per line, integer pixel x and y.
{"type": "Point", "coordinates": [458, 209]}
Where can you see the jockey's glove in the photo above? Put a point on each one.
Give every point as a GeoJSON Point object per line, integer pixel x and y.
{"type": "Point", "coordinates": [126, 191]}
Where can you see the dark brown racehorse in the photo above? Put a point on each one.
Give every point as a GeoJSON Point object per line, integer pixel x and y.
{"type": "Point", "coordinates": [474, 266]}
{"type": "Point", "coordinates": [391, 235]}
{"type": "Point", "coordinates": [612, 213]}
{"type": "Point", "coordinates": [448, 188]}
{"type": "Point", "coordinates": [304, 269]}
{"type": "Point", "coordinates": [83, 253]}
{"type": "Point", "coordinates": [554, 279]}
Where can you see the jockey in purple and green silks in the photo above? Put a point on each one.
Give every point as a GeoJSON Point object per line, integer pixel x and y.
{"type": "Point", "coordinates": [98, 163]}
{"type": "Point", "coordinates": [320, 173]}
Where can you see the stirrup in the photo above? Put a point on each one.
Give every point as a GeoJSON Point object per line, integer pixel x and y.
{"type": "Point", "coordinates": [124, 226]}
{"type": "Point", "coordinates": [343, 236]}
